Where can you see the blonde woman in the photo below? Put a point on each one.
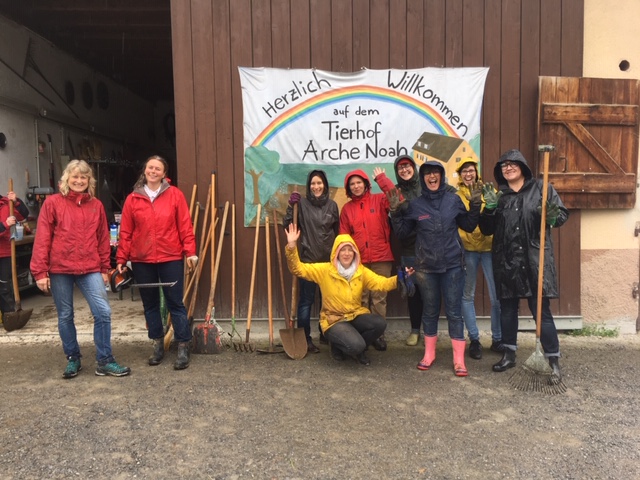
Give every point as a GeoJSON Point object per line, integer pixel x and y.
{"type": "Point", "coordinates": [72, 248]}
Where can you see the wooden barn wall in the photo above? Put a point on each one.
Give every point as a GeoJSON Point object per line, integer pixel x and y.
{"type": "Point", "coordinates": [518, 40]}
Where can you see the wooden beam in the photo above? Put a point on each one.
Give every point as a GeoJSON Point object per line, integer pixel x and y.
{"type": "Point", "coordinates": [594, 148]}
{"type": "Point", "coordinates": [594, 114]}
{"type": "Point", "coordinates": [593, 182]}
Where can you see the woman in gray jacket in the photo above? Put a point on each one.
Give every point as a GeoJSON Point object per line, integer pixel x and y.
{"type": "Point", "coordinates": [318, 221]}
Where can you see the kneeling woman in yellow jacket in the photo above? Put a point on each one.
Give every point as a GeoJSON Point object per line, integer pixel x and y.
{"type": "Point", "coordinates": [346, 324]}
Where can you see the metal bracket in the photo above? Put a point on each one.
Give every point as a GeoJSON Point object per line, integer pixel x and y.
{"type": "Point", "coordinates": [636, 231]}
{"type": "Point", "coordinates": [634, 290]}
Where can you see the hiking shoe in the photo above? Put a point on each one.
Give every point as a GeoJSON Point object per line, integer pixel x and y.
{"type": "Point", "coordinates": [112, 369]}
{"type": "Point", "coordinates": [311, 347]}
{"type": "Point", "coordinates": [380, 344]}
{"type": "Point", "coordinates": [475, 350]}
{"type": "Point", "coordinates": [497, 347]}
{"type": "Point", "coordinates": [412, 339]}
{"type": "Point", "coordinates": [323, 341]}
{"type": "Point", "coordinates": [362, 359]}
{"type": "Point", "coordinates": [337, 354]}
{"type": "Point", "coordinates": [73, 367]}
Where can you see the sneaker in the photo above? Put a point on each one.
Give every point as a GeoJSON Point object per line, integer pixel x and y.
{"type": "Point", "coordinates": [112, 369]}
{"type": "Point", "coordinates": [412, 339]}
{"type": "Point", "coordinates": [497, 347]}
{"type": "Point", "coordinates": [475, 350]}
{"type": "Point", "coordinates": [73, 367]}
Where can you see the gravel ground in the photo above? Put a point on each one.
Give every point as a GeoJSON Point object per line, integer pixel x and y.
{"type": "Point", "coordinates": [247, 415]}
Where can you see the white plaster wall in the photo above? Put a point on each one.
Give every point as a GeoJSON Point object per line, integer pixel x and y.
{"type": "Point", "coordinates": [610, 249]}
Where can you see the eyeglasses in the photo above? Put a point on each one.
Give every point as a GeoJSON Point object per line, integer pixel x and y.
{"type": "Point", "coordinates": [404, 166]}
{"type": "Point", "coordinates": [506, 165]}
{"type": "Point", "coordinates": [432, 172]}
{"type": "Point", "coordinates": [468, 171]}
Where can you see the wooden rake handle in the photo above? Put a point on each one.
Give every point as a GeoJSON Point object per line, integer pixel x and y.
{"type": "Point", "coordinates": [545, 149]}
{"type": "Point", "coordinates": [253, 271]}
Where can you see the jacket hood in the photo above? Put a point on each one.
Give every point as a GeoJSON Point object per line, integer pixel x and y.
{"type": "Point", "coordinates": [464, 164]}
{"type": "Point", "coordinates": [322, 199]}
{"type": "Point", "coordinates": [511, 156]}
{"type": "Point", "coordinates": [423, 169]}
{"type": "Point", "coordinates": [399, 179]}
{"type": "Point", "coordinates": [340, 241]}
{"type": "Point", "coordinates": [361, 174]}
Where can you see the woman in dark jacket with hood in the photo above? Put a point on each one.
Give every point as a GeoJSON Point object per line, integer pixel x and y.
{"type": "Point", "coordinates": [435, 217]}
{"type": "Point", "coordinates": [512, 216]}
{"type": "Point", "coordinates": [409, 185]}
{"type": "Point", "coordinates": [318, 222]}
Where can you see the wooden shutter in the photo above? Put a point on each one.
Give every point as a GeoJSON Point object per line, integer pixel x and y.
{"type": "Point", "coordinates": [593, 124]}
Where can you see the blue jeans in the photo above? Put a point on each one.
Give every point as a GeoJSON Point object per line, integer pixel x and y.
{"type": "Point", "coordinates": [472, 260]}
{"type": "Point", "coordinates": [92, 287]}
{"type": "Point", "coordinates": [306, 298]}
{"type": "Point", "coordinates": [163, 272]}
{"type": "Point", "coordinates": [509, 319]}
{"type": "Point", "coordinates": [447, 285]}
{"type": "Point", "coordinates": [352, 338]}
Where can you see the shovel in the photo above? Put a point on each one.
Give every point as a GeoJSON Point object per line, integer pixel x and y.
{"type": "Point", "coordinates": [18, 319]}
{"type": "Point", "coordinates": [294, 340]}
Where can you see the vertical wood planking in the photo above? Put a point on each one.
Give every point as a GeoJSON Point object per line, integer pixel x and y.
{"type": "Point", "coordinates": [491, 145]}
{"type": "Point", "coordinates": [434, 37]}
{"type": "Point", "coordinates": [453, 33]}
{"type": "Point", "coordinates": [510, 75]}
{"type": "Point", "coordinates": [379, 28]}
{"type": "Point", "coordinates": [300, 35]}
{"type": "Point", "coordinates": [281, 33]}
{"type": "Point", "coordinates": [320, 14]}
{"type": "Point", "coordinates": [183, 96]}
{"type": "Point", "coordinates": [398, 18]}
{"type": "Point", "coordinates": [415, 33]}
{"type": "Point", "coordinates": [342, 28]}
{"type": "Point", "coordinates": [361, 34]}
{"type": "Point", "coordinates": [530, 69]}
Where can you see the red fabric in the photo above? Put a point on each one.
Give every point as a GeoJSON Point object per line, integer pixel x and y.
{"type": "Point", "coordinates": [366, 219]}
{"type": "Point", "coordinates": [158, 231]}
{"type": "Point", "coordinates": [72, 236]}
{"type": "Point", "coordinates": [5, 236]}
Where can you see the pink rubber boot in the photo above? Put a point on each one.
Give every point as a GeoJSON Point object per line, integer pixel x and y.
{"type": "Point", "coordinates": [429, 353]}
{"type": "Point", "coordinates": [458, 358]}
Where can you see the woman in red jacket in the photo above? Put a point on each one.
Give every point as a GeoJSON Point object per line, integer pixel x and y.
{"type": "Point", "coordinates": [366, 219]}
{"type": "Point", "coordinates": [156, 235]}
{"type": "Point", "coordinates": [72, 247]}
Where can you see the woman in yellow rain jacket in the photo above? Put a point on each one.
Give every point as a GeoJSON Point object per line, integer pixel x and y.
{"type": "Point", "coordinates": [346, 324]}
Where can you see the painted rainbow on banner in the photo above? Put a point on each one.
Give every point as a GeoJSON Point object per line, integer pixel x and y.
{"type": "Point", "coordinates": [357, 91]}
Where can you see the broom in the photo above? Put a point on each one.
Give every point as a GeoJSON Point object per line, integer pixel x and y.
{"type": "Point", "coordinates": [535, 374]}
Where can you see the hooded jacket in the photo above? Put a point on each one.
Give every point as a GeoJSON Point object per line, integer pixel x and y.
{"type": "Point", "coordinates": [73, 236]}
{"type": "Point", "coordinates": [435, 217]}
{"type": "Point", "coordinates": [341, 298]}
{"type": "Point", "coordinates": [158, 231]}
{"type": "Point", "coordinates": [410, 189]}
{"type": "Point", "coordinates": [515, 225]}
{"type": "Point", "coordinates": [474, 241]}
{"type": "Point", "coordinates": [318, 220]}
{"type": "Point", "coordinates": [366, 219]}
{"type": "Point", "coordinates": [20, 211]}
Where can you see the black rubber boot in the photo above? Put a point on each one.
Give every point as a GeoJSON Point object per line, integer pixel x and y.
{"type": "Point", "coordinates": [182, 361]}
{"type": "Point", "coordinates": [556, 376]}
{"type": "Point", "coordinates": [508, 361]}
{"type": "Point", "coordinates": [158, 352]}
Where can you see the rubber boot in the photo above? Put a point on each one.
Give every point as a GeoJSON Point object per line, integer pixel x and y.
{"type": "Point", "coordinates": [429, 353]}
{"type": "Point", "coordinates": [459, 367]}
{"type": "Point", "coordinates": [556, 376]}
{"type": "Point", "coordinates": [508, 361]}
{"type": "Point", "coordinates": [182, 361]}
{"type": "Point", "coordinates": [158, 352]}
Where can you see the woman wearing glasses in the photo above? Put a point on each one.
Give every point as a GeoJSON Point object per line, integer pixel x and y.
{"type": "Point", "coordinates": [512, 216]}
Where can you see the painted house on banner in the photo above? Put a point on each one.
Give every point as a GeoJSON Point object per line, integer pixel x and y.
{"type": "Point", "coordinates": [450, 151]}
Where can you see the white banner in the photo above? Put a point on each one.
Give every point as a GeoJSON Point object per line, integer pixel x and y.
{"type": "Point", "coordinates": [299, 120]}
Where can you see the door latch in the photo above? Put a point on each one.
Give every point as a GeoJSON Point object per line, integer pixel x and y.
{"type": "Point", "coordinates": [634, 290]}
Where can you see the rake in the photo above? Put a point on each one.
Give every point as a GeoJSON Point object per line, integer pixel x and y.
{"type": "Point", "coordinates": [535, 374]}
